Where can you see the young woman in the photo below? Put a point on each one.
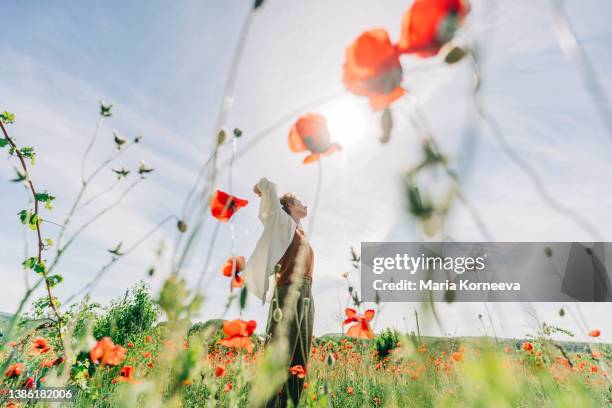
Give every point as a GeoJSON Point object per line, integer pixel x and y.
{"type": "Point", "coordinates": [280, 271]}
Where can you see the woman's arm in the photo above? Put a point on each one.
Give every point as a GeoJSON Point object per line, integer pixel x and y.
{"type": "Point", "coordinates": [268, 192]}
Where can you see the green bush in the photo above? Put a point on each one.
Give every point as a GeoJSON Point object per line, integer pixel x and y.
{"type": "Point", "coordinates": [129, 318]}
{"type": "Point", "coordinates": [385, 342]}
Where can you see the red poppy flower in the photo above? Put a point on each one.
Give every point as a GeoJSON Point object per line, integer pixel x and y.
{"type": "Point", "coordinates": [298, 370]}
{"type": "Point", "coordinates": [40, 346]}
{"type": "Point", "coordinates": [46, 363]}
{"type": "Point", "coordinates": [228, 387]}
{"type": "Point", "coordinates": [14, 370]}
{"type": "Point", "coordinates": [373, 69]}
{"type": "Point", "coordinates": [106, 352]}
{"type": "Point", "coordinates": [232, 267]}
{"type": "Point", "coordinates": [457, 356]}
{"type": "Point", "coordinates": [310, 133]}
{"type": "Point", "coordinates": [219, 371]}
{"type": "Point", "coordinates": [362, 329]}
{"type": "Point", "coordinates": [59, 360]}
{"type": "Point", "coordinates": [29, 383]}
{"type": "Point", "coordinates": [237, 282]}
{"type": "Point", "coordinates": [126, 374]}
{"type": "Point", "coordinates": [238, 334]}
{"type": "Point", "coordinates": [527, 346]}
{"type": "Point", "coordinates": [429, 24]}
{"type": "Point", "coordinates": [595, 333]}
{"type": "Point", "coordinates": [223, 205]}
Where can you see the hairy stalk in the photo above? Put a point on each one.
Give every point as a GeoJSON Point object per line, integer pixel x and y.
{"type": "Point", "coordinates": [91, 285]}
{"type": "Point", "coordinates": [420, 122]}
{"type": "Point", "coordinates": [85, 183]}
{"type": "Point", "coordinates": [522, 164]}
{"type": "Point", "coordinates": [575, 53]}
{"type": "Point", "coordinates": [61, 250]}
{"type": "Point", "coordinates": [41, 245]}
{"type": "Point", "coordinates": [317, 196]}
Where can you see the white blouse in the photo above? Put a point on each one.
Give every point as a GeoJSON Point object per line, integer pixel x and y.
{"type": "Point", "coordinates": [276, 237]}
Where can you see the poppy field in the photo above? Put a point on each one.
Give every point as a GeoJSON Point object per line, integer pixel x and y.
{"type": "Point", "coordinates": [138, 362]}
{"type": "Point", "coordinates": [149, 347]}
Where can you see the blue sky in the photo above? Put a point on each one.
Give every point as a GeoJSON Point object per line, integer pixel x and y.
{"type": "Point", "coordinates": [163, 67]}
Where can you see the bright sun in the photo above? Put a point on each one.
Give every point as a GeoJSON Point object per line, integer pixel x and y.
{"type": "Point", "coordinates": [347, 120]}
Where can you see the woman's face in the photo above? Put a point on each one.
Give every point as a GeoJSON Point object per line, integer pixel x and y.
{"type": "Point", "coordinates": [298, 210]}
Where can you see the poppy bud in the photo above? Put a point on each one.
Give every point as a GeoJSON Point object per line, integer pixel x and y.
{"type": "Point", "coordinates": [277, 315]}
{"type": "Point", "coordinates": [386, 125]}
{"type": "Point", "coordinates": [221, 136]}
{"type": "Point", "coordinates": [561, 312]}
{"type": "Point", "coordinates": [350, 289]}
{"type": "Point", "coordinates": [181, 226]}
{"type": "Point", "coordinates": [237, 132]}
{"type": "Point", "coordinates": [548, 251]}
{"type": "Point", "coordinates": [453, 53]}
{"type": "Point", "coordinates": [330, 359]}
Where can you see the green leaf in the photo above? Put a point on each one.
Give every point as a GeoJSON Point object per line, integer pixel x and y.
{"type": "Point", "coordinates": [30, 219]}
{"type": "Point", "coordinates": [34, 221]}
{"type": "Point", "coordinates": [7, 117]}
{"type": "Point", "coordinates": [40, 267]}
{"type": "Point", "coordinates": [32, 263]}
{"type": "Point", "coordinates": [20, 176]}
{"type": "Point", "coordinates": [49, 242]}
{"type": "Point", "coordinates": [117, 250]}
{"type": "Point", "coordinates": [3, 142]}
{"type": "Point", "coordinates": [243, 297]}
{"type": "Point", "coordinates": [28, 152]}
{"type": "Point", "coordinates": [119, 141]}
{"type": "Point", "coordinates": [415, 203]}
{"type": "Point", "coordinates": [53, 280]}
{"type": "Point", "coordinates": [143, 169]}
{"type": "Point", "coordinates": [44, 197]}
{"type": "Point", "coordinates": [29, 263]}
{"type": "Point", "coordinates": [121, 173]}
{"type": "Point", "coordinates": [24, 216]}
{"type": "Point", "coordinates": [105, 110]}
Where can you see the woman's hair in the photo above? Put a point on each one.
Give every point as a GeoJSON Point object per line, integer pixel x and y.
{"type": "Point", "coordinates": [286, 200]}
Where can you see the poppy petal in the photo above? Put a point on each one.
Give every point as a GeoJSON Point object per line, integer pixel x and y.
{"type": "Point", "coordinates": [296, 144]}
{"type": "Point", "coordinates": [381, 101]}
{"type": "Point", "coordinates": [311, 158]}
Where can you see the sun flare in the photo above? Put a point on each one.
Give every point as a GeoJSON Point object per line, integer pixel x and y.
{"type": "Point", "coordinates": [348, 121]}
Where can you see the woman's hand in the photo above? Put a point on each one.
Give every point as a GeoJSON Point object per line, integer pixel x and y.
{"type": "Point", "coordinates": [256, 190]}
